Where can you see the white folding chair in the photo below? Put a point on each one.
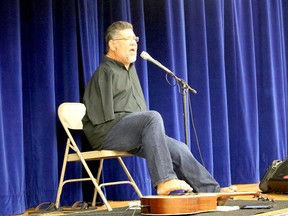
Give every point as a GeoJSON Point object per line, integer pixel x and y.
{"type": "Point", "coordinates": [70, 115]}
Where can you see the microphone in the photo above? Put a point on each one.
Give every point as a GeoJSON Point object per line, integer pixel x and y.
{"type": "Point", "coordinates": [147, 57]}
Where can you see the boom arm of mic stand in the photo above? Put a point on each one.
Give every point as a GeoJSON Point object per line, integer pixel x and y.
{"type": "Point", "coordinates": [184, 84]}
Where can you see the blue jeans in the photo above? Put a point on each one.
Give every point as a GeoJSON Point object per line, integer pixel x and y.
{"type": "Point", "coordinates": [143, 134]}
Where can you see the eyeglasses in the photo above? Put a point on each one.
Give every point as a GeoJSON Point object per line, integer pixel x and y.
{"type": "Point", "coordinates": [135, 39]}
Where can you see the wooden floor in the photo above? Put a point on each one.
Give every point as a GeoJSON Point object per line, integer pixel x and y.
{"type": "Point", "coordinates": [241, 188]}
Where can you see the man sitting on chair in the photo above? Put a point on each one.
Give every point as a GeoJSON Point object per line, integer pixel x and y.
{"type": "Point", "coordinates": [117, 119]}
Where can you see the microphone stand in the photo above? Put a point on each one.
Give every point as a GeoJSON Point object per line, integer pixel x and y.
{"type": "Point", "coordinates": [185, 88]}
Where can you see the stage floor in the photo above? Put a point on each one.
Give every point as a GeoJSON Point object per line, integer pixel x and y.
{"type": "Point", "coordinates": [241, 188]}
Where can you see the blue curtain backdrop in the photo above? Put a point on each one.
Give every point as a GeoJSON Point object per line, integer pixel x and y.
{"type": "Point", "coordinates": [232, 52]}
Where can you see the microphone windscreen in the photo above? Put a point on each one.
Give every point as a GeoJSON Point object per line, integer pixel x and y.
{"type": "Point", "coordinates": [145, 55]}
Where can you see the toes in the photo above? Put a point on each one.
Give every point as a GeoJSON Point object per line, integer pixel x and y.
{"type": "Point", "coordinates": [165, 188]}
{"type": "Point", "coordinates": [230, 189]}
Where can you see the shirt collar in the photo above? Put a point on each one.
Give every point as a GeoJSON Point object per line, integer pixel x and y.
{"type": "Point", "coordinates": [120, 64]}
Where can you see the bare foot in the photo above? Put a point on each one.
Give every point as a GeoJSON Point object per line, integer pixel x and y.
{"type": "Point", "coordinates": [165, 188]}
{"type": "Point", "coordinates": [231, 189]}
{"type": "Point", "coordinates": [222, 200]}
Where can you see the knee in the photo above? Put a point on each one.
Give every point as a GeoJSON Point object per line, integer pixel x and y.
{"type": "Point", "coordinates": [152, 118]}
{"type": "Point", "coordinates": [178, 149]}
{"type": "Point", "coordinates": [155, 116]}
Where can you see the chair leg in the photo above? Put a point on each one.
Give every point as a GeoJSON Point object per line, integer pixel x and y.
{"type": "Point", "coordinates": [101, 194]}
{"type": "Point", "coordinates": [60, 186]}
{"type": "Point", "coordinates": [131, 180]}
{"type": "Point", "coordinates": [98, 180]}
{"type": "Point", "coordinates": [130, 177]}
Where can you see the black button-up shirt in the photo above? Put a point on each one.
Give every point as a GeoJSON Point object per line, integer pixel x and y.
{"type": "Point", "coordinates": [112, 92]}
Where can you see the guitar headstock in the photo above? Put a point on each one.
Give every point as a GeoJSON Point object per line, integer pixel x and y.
{"type": "Point", "coordinates": [263, 197]}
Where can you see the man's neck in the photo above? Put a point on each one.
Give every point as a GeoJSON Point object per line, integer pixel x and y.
{"type": "Point", "coordinates": [110, 55]}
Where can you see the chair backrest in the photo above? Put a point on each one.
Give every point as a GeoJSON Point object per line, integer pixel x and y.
{"type": "Point", "coordinates": [71, 114]}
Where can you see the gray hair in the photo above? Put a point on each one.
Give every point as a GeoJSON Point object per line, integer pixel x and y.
{"type": "Point", "coordinates": [114, 29]}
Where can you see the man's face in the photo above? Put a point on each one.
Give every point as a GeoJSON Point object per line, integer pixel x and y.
{"type": "Point", "coordinates": [125, 47]}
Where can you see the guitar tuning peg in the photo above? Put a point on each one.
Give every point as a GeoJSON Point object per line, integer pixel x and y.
{"type": "Point", "coordinates": [258, 197]}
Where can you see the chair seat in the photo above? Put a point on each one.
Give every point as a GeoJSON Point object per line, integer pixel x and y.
{"type": "Point", "coordinates": [101, 154]}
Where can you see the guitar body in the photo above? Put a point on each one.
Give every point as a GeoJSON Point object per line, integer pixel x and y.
{"type": "Point", "coordinates": [184, 204]}
{"type": "Point", "coordinates": [177, 205]}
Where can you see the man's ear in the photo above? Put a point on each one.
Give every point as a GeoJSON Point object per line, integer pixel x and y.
{"type": "Point", "coordinates": [112, 45]}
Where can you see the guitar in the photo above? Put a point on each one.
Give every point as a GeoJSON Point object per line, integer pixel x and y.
{"type": "Point", "coordinates": [188, 203]}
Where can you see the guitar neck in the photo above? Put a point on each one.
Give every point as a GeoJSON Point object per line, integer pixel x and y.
{"type": "Point", "coordinates": [255, 194]}
{"type": "Point", "coordinates": [238, 194]}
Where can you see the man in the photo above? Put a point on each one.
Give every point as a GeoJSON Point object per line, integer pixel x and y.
{"type": "Point", "coordinates": [117, 119]}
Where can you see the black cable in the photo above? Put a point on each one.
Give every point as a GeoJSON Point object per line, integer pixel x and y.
{"type": "Point", "coordinates": [194, 130]}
